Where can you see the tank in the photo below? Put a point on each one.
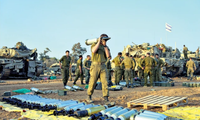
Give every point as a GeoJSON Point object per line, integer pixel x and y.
{"type": "Point", "coordinates": [19, 62]}
{"type": "Point", "coordinates": [174, 64]}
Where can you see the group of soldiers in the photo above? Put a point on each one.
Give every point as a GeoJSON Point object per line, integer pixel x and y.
{"type": "Point", "coordinates": [146, 65]}
{"type": "Point", "coordinates": [99, 66]}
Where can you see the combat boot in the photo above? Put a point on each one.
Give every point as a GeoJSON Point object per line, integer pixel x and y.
{"type": "Point", "coordinates": [82, 83]}
{"type": "Point", "coordinates": [107, 102]}
{"type": "Point", "coordinates": [89, 99]}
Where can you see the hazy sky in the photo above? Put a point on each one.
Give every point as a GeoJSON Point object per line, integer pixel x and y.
{"type": "Point", "coordinates": [59, 24]}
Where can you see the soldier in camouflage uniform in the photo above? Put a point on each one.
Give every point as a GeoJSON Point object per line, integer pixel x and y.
{"type": "Point", "coordinates": [65, 67]}
{"type": "Point", "coordinates": [117, 71]}
{"type": "Point", "coordinates": [79, 70]}
{"type": "Point", "coordinates": [108, 66]}
{"type": "Point", "coordinates": [109, 77]}
{"type": "Point", "coordinates": [140, 66]}
{"type": "Point", "coordinates": [129, 67]}
{"type": "Point", "coordinates": [87, 65]}
{"type": "Point", "coordinates": [185, 49]}
{"type": "Point", "coordinates": [70, 75]}
{"type": "Point", "coordinates": [149, 63]}
{"type": "Point", "coordinates": [100, 53]}
{"type": "Point", "coordinates": [133, 70]}
{"type": "Point", "coordinates": [154, 69]}
{"type": "Point", "coordinates": [160, 63]}
{"type": "Point", "coordinates": [122, 69]}
{"type": "Point", "coordinates": [191, 67]}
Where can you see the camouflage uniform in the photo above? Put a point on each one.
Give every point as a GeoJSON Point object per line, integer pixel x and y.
{"type": "Point", "coordinates": [140, 70]}
{"type": "Point", "coordinates": [122, 72]}
{"type": "Point", "coordinates": [160, 63]}
{"type": "Point", "coordinates": [133, 70]}
{"type": "Point", "coordinates": [87, 65]}
{"type": "Point", "coordinates": [66, 62]}
{"type": "Point", "coordinates": [149, 63]}
{"type": "Point", "coordinates": [154, 69]}
{"type": "Point", "coordinates": [108, 66]}
{"type": "Point", "coordinates": [117, 71]}
{"type": "Point", "coordinates": [185, 49]}
{"type": "Point", "coordinates": [70, 75]}
{"type": "Point", "coordinates": [78, 73]}
{"type": "Point", "coordinates": [98, 69]}
{"type": "Point", "coordinates": [129, 66]}
{"type": "Point", "coordinates": [190, 68]}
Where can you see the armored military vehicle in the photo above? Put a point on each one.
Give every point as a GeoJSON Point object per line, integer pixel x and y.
{"type": "Point", "coordinates": [174, 65]}
{"type": "Point", "coordinates": [19, 62]}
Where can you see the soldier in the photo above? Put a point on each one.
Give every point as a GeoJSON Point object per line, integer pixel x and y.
{"type": "Point", "coordinates": [160, 63]}
{"type": "Point", "coordinates": [109, 77]}
{"type": "Point", "coordinates": [149, 64]}
{"type": "Point", "coordinates": [108, 66]}
{"type": "Point", "coordinates": [100, 53]}
{"type": "Point", "coordinates": [65, 67]}
{"type": "Point", "coordinates": [185, 49]}
{"type": "Point", "coordinates": [154, 68]}
{"type": "Point", "coordinates": [122, 69]}
{"type": "Point", "coordinates": [70, 75]}
{"type": "Point", "coordinates": [79, 70]}
{"type": "Point", "coordinates": [129, 66]}
{"type": "Point", "coordinates": [140, 70]}
{"type": "Point", "coordinates": [133, 70]}
{"type": "Point", "coordinates": [117, 71]}
{"type": "Point", "coordinates": [87, 65]}
{"type": "Point", "coordinates": [190, 68]}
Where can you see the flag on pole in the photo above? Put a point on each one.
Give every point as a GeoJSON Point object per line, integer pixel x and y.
{"type": "Point", "coordinates": [168, 27]}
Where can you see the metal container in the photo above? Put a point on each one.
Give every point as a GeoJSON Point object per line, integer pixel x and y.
{"type": "Point", "coordinates": [108, 114]}
{"type": "Point", "coordinates": [127, 115]}
{"type": "Point", "coordinates": [94, 110]}
{"type": "Point", "coordinates": [115, 115]}
{"type": "Point", "coordinates": [95, 40]}
{"type": "Point", "coordinates": [74, 106]}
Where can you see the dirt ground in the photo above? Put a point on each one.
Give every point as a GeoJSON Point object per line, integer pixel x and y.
{"type": "Point", "coordinates": [119, 97]}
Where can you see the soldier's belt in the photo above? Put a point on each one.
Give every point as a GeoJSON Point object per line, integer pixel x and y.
{"type": "Point", "coordinates": [127, 68]}
{"type": "Point", "coordinates": [98, 63]}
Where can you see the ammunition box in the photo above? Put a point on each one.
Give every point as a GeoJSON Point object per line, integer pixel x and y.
{"type": "Point", "coordinates": [62, 92]}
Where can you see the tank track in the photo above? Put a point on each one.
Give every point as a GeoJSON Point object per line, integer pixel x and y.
{"type": "Point", "coordinates": [5, 74]}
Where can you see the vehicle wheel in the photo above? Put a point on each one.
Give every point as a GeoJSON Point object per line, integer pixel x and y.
{"type": "Point", "coordinates": [38, 71]}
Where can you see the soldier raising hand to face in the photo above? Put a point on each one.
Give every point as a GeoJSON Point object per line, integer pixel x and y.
{"type": "Point", "coordinates": [100, 53]}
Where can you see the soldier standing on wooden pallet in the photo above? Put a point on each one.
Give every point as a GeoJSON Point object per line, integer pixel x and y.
{"type": "Point", "coordinates": [160, 63]}
{"type": "Point", "coordinates": [129, 67]}
{"type": "Point", "coordinates": [191, 67]}
{"type": "Point", "coordinates": [66, 66]}
{"type": "Point", "coordinates": [149, 63]}
{"type": "Point", "coordinates": [117, 71]}
{"type": "Point", "coordinates": [185, 49]}
{"type": "Point", "coordinates": [100, 53]}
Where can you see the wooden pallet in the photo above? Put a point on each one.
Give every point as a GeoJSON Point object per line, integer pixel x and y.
{"type": "Point", "coordinates": [152, 101]}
